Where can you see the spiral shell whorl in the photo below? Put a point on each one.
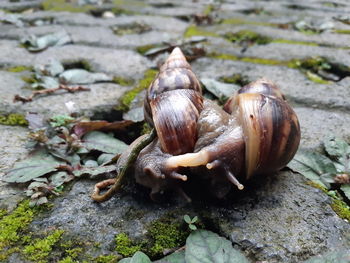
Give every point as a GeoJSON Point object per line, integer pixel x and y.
{"type": "Point", "coordinates": [173, 103]}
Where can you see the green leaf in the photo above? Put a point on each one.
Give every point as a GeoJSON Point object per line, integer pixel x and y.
{"type": "Point", "coordinates": [103, 142]}
{"type": "Point", "coordinates": [332, 257]}
{"type": "Point", "coordinates": [60, 120]}
{"type": "Point", "coordinates": [105, 158]}
{"type": "Point", "coordinates": [194, 220]}
{"type": "Point", "coordinates": [59, 178]}
{"type": "Point", "coordinates": [346, 189]}
{"type": "Point", "coordinates": [35, 166]}
{"type": "Point", "coordinates": [138, 257]}
{"type": "Point", "coordinates": [176, 257]}
{"type": "Point", "coordinates": [339, 149]}
{"type": "Point", "coordinates": [94, 171]}
{"type": "Point", "coordinates": [187, 219]}
{"type": "Point", "coordinates": [82, 76]}
{"type": "Point", "coordinates": [312, 165]}
{"type": "Point", "coordinates": [33, 43]}
{"type": "Point", "coordinates": [219, 89]}
{"type": "Point", "coordinates": [207, 247]}
{"type": "Point", "coordinates": [192, 227]}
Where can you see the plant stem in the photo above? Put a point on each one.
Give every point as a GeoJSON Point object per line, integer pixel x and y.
{"type": "Point", "coordinates": [119, 180]}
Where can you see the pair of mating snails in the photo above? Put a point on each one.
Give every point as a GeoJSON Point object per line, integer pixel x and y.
{"type": "Point", "coordinates": [256, 132]}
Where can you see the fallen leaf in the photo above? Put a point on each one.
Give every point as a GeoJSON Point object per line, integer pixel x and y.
{"type": "Point", "coordinates": [84, 127]}
{"type": "Point", "coordinates": [206, 246]}
{"type": "Point", "coordinates": [312, 165]}
{"type": "Point", "coordinates": [219, 89]}
{"type": "Point", "coordinates": [94, 171]}
{"type": "Point", "coordinates": [81, 76]}
{"type": "Point", "coordinates": [102, 142]}
{"type": "Point", "coordinates": [37, 165]}
{"type": "Point", "coordinates": [35, 44]}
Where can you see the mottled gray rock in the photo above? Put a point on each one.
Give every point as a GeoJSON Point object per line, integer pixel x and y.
{"type": "Point", "coordinates": [94, 36]}
{"type": "Point", "coordinates": [102, 97]}
{"type": "Point", "coordinates": [292, 82]}
{"type": "Point", "coordinates": [317, 124]}
{"type": "Point", "coordinates": [282, 220]}
{"type": "Point", "coordinates": [11, 150]}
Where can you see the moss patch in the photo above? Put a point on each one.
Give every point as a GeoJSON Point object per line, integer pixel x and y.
{"type": "Point", "coordinates": [122, 81]}
{"type": "Point", "coordinates": [238, 21]}
{"type": "Point", "coordinates": [144, 83]}
{"type": "Point", "coordinates": [124, 245]}
{"type": "Point", "coordinates": [13, 119]}
{"type": "Point", "coordinates": [237, 79]}
{"type": "Point", "coordinates": [19, 69]}
{"type": "Point", "coordinates": [12, 226]}
{"type": "Point", "coordinates": [196, 31]}
{"type": "Point", "coordinates": [63, 5]}
{"type": "Point", "coordinates": [293, 42]}
{"type": "Point", "coordinates": [244, 37]}
{"type": "Point", "coordinates": [165, 233]}
{"type": "Point", "coordinates": [40, 249]}
{"type": "Point", "coordinates": [107, 259]}
{"type": "Point", "coordinates": [341, 209]}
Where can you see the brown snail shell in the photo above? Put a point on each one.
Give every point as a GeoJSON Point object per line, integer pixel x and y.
{"type": "Point", "coordinates": [173, 104]}
{"type": "Point", "coordinates": [174, 74]}
{"type": "Point", "coordinates": [262, 128]}
{"type": "Point", "coordinates": [271, 132]}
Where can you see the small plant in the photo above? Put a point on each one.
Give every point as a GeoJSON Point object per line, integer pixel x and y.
{"type": "Point", "coordinates": [191, 222]}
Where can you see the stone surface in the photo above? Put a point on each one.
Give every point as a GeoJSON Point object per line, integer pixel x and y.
{"type": "Point", "coordinates": [276, 219]}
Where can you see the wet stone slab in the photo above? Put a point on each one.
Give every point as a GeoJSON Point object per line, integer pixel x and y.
{"type": "Point", "coordinates": [294, 220]}
{"type": "Point", "coordinates": [293, 83]}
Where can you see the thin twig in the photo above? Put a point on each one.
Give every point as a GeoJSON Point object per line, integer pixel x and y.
{"type": "Point", "coordinates": [119, 180]}
{"type": "Point", "coordinates": [48, 91]}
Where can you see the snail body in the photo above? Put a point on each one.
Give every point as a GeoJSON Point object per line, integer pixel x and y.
{"type": "Point", "coordinates": [256, 132]}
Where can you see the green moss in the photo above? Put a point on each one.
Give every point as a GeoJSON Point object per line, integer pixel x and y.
{"type": "Point", "coordinates": [41, 248]}
{"type": "Point", "coordinates": [238, 21]}
{"type": "Point", "coordinates": [122, 81]}
{"type": "Point", "coordinates": [19, 69]}
{"type": "Point", "coordinates": [247, 36]}
{"type": "Point", "coordinates": [63, 5]}
{"type": "Point", "coordinates": [165, 235]}
{"type": "Point", "coordinates": [342, 31]}
{"type": "Point", "coordinates": [144, 83]}
{"type": "Point", "coordinates": [13, 119]}
{"type": "Point", "coordinates": [11, 226]}
{"type": "Point", "coordinates": [262, 61]}
{"type": "Point", "coordinates": [124, 245]}
{"type": "Point", "coordinates": [29, 79]}
{"type": "Point", "coordinates": [3, 212]}
{"type": "Point", "coordinates": [68, 260]}
{"type": "Point", "coordinates": [196, 31]}
{"type": "Point", "coordinates": [106, 259]}
{"type": "Point", "coordinates": [293, 42]}
{"type": "Point", "coordinates": [254, 60]}
{"type": "Point", "coordinates": [208, 9]}
{"type": "Point", "coordinates": [341, 209]}
{"type": "Point", "coordinates": [237, 79]}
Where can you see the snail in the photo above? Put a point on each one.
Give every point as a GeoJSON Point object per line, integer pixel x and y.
{"type": "Point", "coordinates": [255, 133]}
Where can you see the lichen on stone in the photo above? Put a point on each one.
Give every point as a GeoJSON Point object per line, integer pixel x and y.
{"type": "Point", "coordinates": [40, 249]}
{"type": "Point", "coordinates": [124, 245]}
{"type": "Point", "coordinates": [13, 119]}
{"type": "Point", "coordinates": [247, 36]}
{"type": "Point", "coordinates": [127, 98]}
{"type": "Point", "coordinates": [196, 31]}
{"type": "Point", "coordinates": [19, 69]}
{"type": "Point", "coordinates": [12, 225]}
